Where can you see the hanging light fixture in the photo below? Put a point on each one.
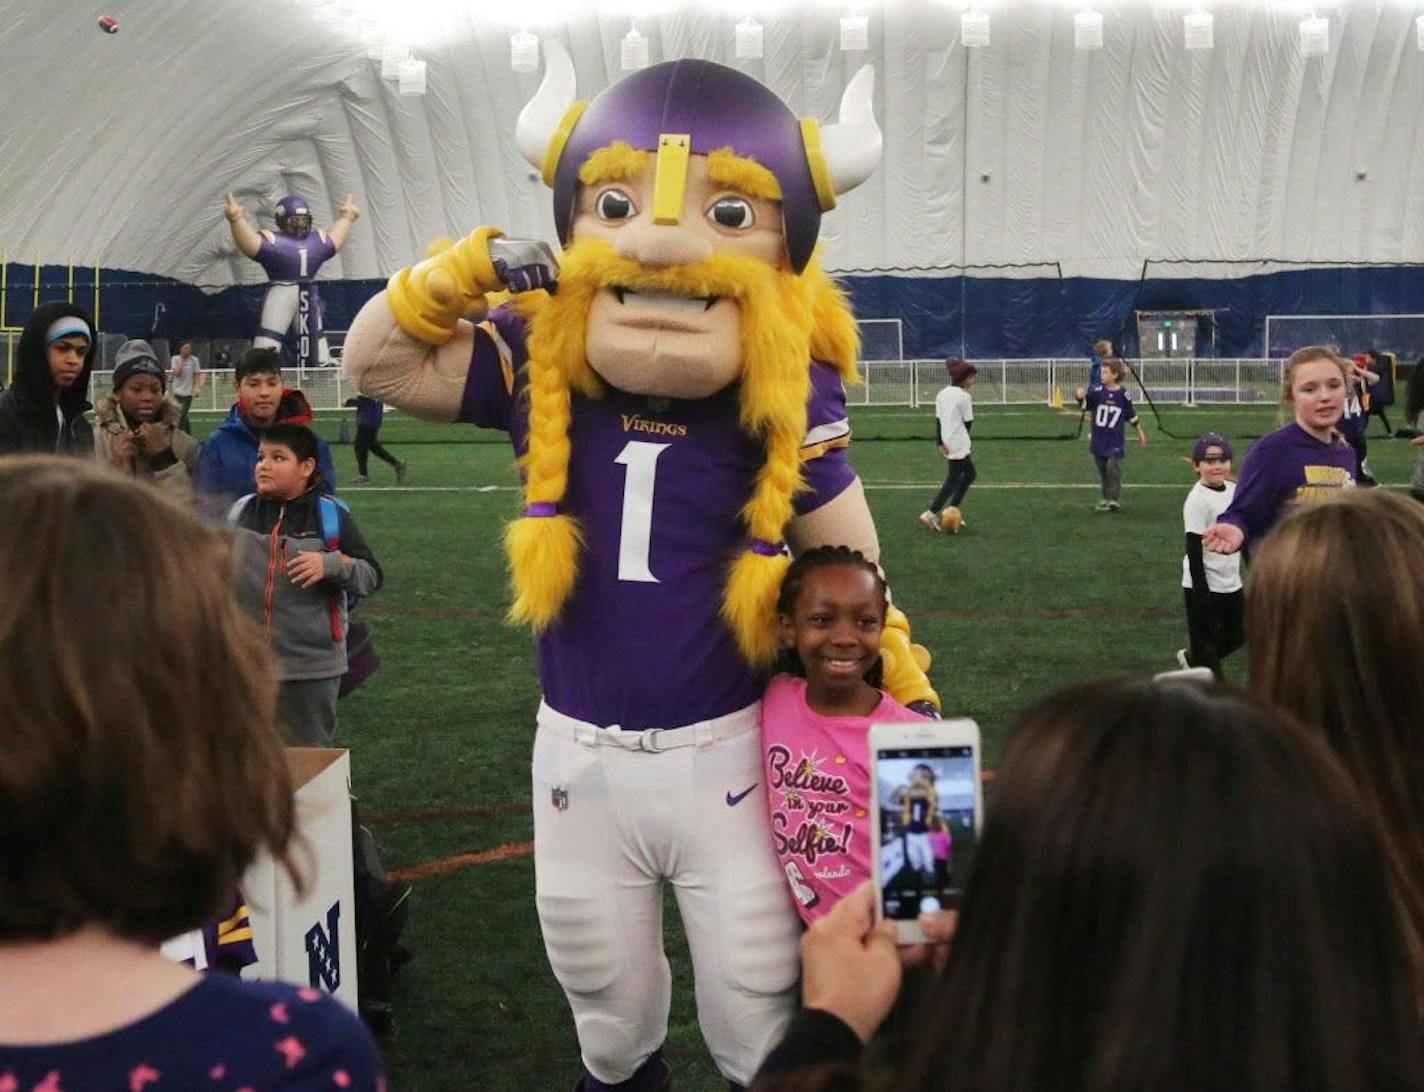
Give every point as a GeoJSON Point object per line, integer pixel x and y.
{"type": "Point", "coordinates": [1088, 30]}
{"type": "Point", "coordinates": [855, 32]}
{"type": "Point", "coordinates": [1314, 36]}
{"type": "Point", "coordinates": [749, 39]}
{"type": "Point", "coordinates": [524, 52]}
{"type": "Point", "coordinates": [411, 77]}
{"type": "Point", "coordinates": [371, 32]}
{"type": "Point", "coordinates": [974, 28]}
{"type": "Point", "coordinates": [393, 52]}
{"type": "Point", "coordinates": [635, 51]}
{"type": "Point", "coordinates": [1197, 27]}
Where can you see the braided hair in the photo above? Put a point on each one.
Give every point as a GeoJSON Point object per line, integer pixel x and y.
{"type": "Point", "coordinates": [788, 661]}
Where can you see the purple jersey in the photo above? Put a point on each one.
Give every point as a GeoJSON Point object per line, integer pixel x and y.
{"type": "Point", "coordinates": [1111, 410]}
{"type": "Point", "coordinates": [1356, 419]}
{"type": "Point", "coordinates": [289, 259]}
{"type": "Point", "coordinates": [657, 487]}
{"type": "Point", "coordinates": [1285, 466]}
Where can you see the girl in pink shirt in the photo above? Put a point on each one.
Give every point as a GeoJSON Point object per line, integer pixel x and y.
{"type": "Point", "coordinates": [816, 717]}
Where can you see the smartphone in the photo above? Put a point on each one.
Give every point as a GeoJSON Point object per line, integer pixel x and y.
{"type": "Point", "coordinates": [926, 810]}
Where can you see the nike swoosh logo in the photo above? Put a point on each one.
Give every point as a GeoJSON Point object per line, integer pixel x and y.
{"type": "Point", "coordinates": [733, 801]}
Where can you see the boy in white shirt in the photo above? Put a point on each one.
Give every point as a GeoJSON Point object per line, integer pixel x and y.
{"type": "Point", "coordinates": [954, 412]}
{"type": "Point", "coordinates": [1212, 581]}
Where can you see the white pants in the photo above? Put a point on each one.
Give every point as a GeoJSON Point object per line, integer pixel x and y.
{"type": "Point", "coordinates": [279, 314]}
{"type": "Point", "coordinates": [919, 852]}
{"type": "Point", "coordinates": [614, 816]}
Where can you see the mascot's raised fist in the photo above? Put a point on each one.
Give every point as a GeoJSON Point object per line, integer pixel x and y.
{"type": "Point", "coordinates": [429, 299]}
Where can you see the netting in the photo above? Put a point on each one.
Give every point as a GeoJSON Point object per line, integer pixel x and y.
{"type": "Point", "coordinates": [1402, 335]}
{"type": "Point", "coordinates": [881, 339]}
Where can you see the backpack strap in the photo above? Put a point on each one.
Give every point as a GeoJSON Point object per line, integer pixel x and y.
{"type": "Point", "coordinates": [331, 508]}
{"type": "Point", "coordinates": [239, 507]}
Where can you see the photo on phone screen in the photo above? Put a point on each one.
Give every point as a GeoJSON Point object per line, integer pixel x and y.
{"type": "Point", "coordinates": [927, 827]}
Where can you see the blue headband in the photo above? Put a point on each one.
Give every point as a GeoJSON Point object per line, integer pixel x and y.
{"type": "Point", "coordinates": [68, 324]}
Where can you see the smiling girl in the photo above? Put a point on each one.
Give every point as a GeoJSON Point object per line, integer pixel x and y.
{"type": "Point", "coordinates": [816, 717]}
{"type": "Point", "coordinates": [1305, 461]}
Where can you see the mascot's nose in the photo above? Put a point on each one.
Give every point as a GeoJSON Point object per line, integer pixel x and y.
{"type": "Point", "coordinates": [661, 245]}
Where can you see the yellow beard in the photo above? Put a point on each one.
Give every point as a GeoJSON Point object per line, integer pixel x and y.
{"type": "Point", "coordinates": [785, 321]}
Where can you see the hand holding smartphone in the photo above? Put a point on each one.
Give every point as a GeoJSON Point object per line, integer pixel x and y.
{"type": "Point", "coordinates": [926, 811]}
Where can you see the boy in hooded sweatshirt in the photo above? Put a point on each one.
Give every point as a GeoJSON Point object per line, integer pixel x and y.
{"type": "Point", "coordinates": [298, 554]}
{"type": "Point", "coordinates": [229, 455]}
{"type": "Point", "coordinates": [137, 424]}
{"type": "Point", "coordinates": [44, 410]}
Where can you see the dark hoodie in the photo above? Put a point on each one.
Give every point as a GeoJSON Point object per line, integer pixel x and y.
{"type": "Point", "coordinates": [28, 421]}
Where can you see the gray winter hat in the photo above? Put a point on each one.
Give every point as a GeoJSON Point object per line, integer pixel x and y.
{"type": "Point", "coordinates": [137, 358]}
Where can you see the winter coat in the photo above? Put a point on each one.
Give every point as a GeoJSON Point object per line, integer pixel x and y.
{"type": "Point", "coordinates": [228, 461]}
{"type": "Point", "coordinates": [171, 470]}
{"type": "Point", "coordinates": [306, 626]}
{"type": "Point", "coordinates": [28, 418]}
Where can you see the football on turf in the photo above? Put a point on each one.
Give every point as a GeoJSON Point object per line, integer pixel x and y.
{"type": "Point", "coordinates": [950, 520]}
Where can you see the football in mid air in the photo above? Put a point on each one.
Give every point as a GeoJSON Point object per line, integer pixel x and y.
{"type": "Point", "coordinates": [108, 24]}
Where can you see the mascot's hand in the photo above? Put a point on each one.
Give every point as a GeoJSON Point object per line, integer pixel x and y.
{"type": "Point", "coordinates": [525, 264]}
{"type": "Point", "coordinates": [905, 663]}
{"type": "Point", "coordinates": [430, 299]}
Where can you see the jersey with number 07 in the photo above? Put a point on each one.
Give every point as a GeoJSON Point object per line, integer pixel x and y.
{"type": "Point", "coordinates": [1110, 411]}
{"type": "Point", "coordinates": [657, 487]}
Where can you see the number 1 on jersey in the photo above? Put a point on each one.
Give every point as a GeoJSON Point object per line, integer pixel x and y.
{"type": "Point", "coordinates": [636, 538]}
{"type": "Point", "coordinates": [302, 258]}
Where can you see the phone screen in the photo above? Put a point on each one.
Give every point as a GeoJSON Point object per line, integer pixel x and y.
{"type": "Point", "coordinates": [927, 827]}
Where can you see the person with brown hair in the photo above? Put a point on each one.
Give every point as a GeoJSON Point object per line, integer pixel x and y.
{"type": "Point", "coordinates": [136, 786]}
{"type": "Point", "coordinates": [1306, 461]}
{"type": "Point", "coordinates": [1335, 628]}
{"type": "Point", "coordinates": [1177, 888]}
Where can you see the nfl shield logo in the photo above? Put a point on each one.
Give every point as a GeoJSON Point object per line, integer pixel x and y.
{"type": "Point", "coordinates": [560, 798]}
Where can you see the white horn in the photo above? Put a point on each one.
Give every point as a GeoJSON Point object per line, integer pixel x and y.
{"type": "Point", "coordinates": [542, 114]}
{"type": "Point", "coordinates": [852, 145]}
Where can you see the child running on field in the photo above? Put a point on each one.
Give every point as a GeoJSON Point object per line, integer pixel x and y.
{"type": "Point", "coordinates": [816, 717]}
{"type": "Point", "coordinates": [954, 416]}
{"type": "Point", "coordinates": [1212, 582]}
{"type": "Point", "coordinates": [1305, 461]}
{"type": "Point", "coordinates": [1109, 409]}
{"type": "Point", "coordinates": [298, 555]}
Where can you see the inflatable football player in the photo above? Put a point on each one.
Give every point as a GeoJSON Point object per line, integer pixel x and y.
{"type": "Point", "coordinates": [677, 399]}
{"type": "Point", "coordinates": [291, 257]}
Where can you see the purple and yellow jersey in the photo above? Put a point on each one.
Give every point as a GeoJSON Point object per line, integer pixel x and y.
{"type": "Point", "coordinates": [223, 943]}
{"type": "Point", "coordinates": [1110, 410]}
{"type": "Point", "coordinates": [289, 259]}
{"type": "Point", "coordinates": [1282, 467]}
{"type": "Point", "coordinates": [657, 487]}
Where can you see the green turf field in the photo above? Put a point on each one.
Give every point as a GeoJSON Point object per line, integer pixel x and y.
{"type": "Point", "coordinates": [1037, 591]}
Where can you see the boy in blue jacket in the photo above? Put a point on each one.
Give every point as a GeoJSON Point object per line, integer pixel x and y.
{"type": "Point", "coordinates": [229, 456]}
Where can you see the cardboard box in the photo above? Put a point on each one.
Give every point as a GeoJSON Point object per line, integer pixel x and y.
{"type": "Point", "coordinates": [310, 940]}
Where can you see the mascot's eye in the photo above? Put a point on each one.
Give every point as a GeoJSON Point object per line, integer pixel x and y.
{"type": "Point", "coordinates": [732, 212]}
{"type": "Point", "coordinates": [614, 205]}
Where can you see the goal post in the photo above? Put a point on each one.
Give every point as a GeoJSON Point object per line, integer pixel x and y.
{"type": "Point", "coordinates": [1402, 335]}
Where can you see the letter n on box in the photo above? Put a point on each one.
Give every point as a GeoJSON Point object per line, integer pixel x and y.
{"type": "Point", "coordinates": [310, 940]}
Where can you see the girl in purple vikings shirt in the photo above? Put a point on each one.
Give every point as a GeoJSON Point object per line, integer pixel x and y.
{"type": "Point", "coordinates": [1306, 461]}
{"type": "Point", "coordinates": [1110, 409]}
{"type": "Point", "coordinates": [816, 717]}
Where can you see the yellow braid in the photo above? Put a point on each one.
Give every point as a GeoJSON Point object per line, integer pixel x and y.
{"type": "Point", "coordinates": [543, 551]}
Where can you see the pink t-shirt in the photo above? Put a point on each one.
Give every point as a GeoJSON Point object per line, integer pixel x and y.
{"type": "Point", "coordinates": [818, 787]}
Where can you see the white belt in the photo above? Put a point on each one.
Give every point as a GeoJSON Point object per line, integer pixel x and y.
{"type": "Point", "coordinates": [652, 740]}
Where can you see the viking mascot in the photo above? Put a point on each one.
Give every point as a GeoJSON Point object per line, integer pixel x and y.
{"type": "Point", "coordinates": [674, 390]}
